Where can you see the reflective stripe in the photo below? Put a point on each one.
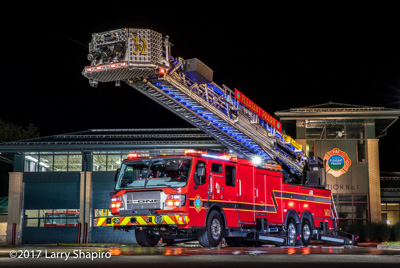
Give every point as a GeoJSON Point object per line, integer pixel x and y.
{"type": "Point", "coordinates": [177, 219]}
{"type": "Point", "coordinates": [100, 221]}
{"type": "Point", "coordinates": [126, 221]}
{"type": "Point", "coordinates": [140, 220]}
{"type": "Point", "coordinates": [168, 220]}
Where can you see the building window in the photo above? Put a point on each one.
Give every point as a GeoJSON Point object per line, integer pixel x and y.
{"type": "Point", "coordinates": [310, 148]}
{"type": "Point", "coordinates": [351, 208]}
{"type": "Point", "coordinates": [111, 160]}
{"type": "Point", "coordinates": [53, 162]}
{"type": "Point", "coordinates": [51, 217]}
{"type": "Point", "coordinates": [390, 213]}
{"type": "Point", "coordinates": [361, 151]}
{"type": "Point", "coordinates": [355, 130]}
{"type": "Point", "coordinates": [335, 129]}
{"type": "Point", "coordinates": [315, 129]}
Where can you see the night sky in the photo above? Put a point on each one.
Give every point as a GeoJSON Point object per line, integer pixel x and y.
{"type": "Point", "coordinates": [280, 57]}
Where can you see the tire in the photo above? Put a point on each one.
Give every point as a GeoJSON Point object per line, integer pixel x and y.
{"type": "Point", "coordinates": [306, 232]}
{"type": "Point", "coordinates": [145, 239]}
{"type": "Point", "coordinates": [291, 230]}
{"type": "Point", "coordinates": [212, 235]}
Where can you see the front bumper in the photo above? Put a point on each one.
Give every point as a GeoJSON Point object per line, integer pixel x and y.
{"type": "Point", "coordinates": [166, 219]}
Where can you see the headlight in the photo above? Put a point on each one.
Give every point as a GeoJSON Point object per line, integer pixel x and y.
{"type": "Point", "coordinates": [175, 200]}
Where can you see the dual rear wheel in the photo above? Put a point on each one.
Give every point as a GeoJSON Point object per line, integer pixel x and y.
{"type": "Point", "coordinates": [305, 232]}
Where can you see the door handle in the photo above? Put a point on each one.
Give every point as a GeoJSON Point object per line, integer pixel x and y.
{"type": "Point", "coordinates": [256, 192]}
{"type": "Point", "coordinates": [240, 187]}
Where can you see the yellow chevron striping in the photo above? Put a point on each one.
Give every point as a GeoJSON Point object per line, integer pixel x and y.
{"type": "Point", "coordinates": [126, 221]}
{"type": "Point", "coordinates": [140, 220]}
{"type": "Point", "coordinates": [100, 221]}
{"type": "Point", "coordinates": [168, 220]}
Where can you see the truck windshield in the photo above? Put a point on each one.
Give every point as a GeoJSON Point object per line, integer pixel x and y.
{"type": "Point", "coordinates": [154, 173]}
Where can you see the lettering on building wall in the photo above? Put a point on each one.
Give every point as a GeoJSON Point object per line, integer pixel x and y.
{"type": "Point", "coordinates": [337, 187]}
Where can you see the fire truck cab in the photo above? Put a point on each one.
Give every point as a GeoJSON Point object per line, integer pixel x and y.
{"type": "Point", "coordinates": [209, 196]}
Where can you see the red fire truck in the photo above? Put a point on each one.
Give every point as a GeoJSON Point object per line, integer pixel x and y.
{"type": "Point", "coordinates": [209, 196]}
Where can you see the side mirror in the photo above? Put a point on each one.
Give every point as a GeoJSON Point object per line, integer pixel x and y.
{"type": "Point", "coordinates": [200, 175]}
{"type": "Point", "coordinates": [116, 175]}
{"type": "Point", "coordinates": [201, 172]}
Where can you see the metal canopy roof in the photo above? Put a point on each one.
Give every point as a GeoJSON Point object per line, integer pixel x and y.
{"type": "Point", "coordinates": [384, 117]}
{"type": "Point", "coordinates": [333, 110]}
{"type": "Point", "coordinates": [111, 139]}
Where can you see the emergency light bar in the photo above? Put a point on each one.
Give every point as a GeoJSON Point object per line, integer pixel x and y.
{"type": "Point", "coordinates": [219, 156]}
{"type": "Point", "coordinates": [132, 156]}
{"type": "Point", "coordinates": [114, 65]}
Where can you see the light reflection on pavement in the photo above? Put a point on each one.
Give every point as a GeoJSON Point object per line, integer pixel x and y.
{"type": "Point", "coordinates": [193, 250]}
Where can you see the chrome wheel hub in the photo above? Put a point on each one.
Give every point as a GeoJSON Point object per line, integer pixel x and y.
{"type": "Point", "coordinates": [306, 232]}
{"type": "Point", "coordinates": [292, 231]}
{"type": "Point", "coordinates": [215, 229]}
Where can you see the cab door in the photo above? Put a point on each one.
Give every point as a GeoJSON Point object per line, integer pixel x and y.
{"type": "Point", "coordinates": [198, 195]}
{"type": "Point", "coordinates": [246, 195]}
{"type": "Point", "coordinates": [223, 189]}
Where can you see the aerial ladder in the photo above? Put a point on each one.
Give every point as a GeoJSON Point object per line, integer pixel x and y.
{"type": "Point", "coordinates": [142, 59]}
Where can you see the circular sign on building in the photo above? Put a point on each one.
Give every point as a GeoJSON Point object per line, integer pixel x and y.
{"type": "Point", "coordinates": [338, 162]}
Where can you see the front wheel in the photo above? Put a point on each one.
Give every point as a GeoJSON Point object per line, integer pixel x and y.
{"type": "Point", "coordinates": [146, 239]}
{"type": "Point", "coordinates": [212, 235]}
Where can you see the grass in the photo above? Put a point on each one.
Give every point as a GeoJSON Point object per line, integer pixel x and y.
{"type": "Point", "coordinates": [392, 243]}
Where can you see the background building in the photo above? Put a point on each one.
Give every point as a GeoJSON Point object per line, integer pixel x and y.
{"type": "Point", "coordinates": [61, 183]}
{"type": "Point", "coordinates": [390, 197]}
{"type": "Point", "coordinates": [347, 137]}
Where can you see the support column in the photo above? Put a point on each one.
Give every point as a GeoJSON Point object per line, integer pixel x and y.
{"type": "Point", "coordinates": [374, 180]}
{"type": "Point", "coordinates": [15, 200]}
{"type": "Point", "coordinates": [85, 204]}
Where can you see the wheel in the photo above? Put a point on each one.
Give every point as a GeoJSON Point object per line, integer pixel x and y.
{"type": "Point", "coordinates": [292, 231]}
{"type": "Point", "coordinates": [212, 235]}
{"type": "Point", "coordinates": [306, 232]}
{"type": "Point", "coordinates": [145, 239]}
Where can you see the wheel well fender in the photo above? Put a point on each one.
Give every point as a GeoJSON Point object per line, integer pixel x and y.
{"type": "Point", "coordinates": [307, 216]}
{"type": "Point", "coordinates": [291, 214]}
{"type": "Point", "coordinates": [220, 211]}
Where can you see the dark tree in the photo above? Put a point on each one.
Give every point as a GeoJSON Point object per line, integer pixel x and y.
{"type": "Point", "coordinates": [11, 132]}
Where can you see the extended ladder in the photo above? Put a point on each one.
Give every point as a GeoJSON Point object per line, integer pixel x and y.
{"type": "Point", "coordinates": [211, 108]}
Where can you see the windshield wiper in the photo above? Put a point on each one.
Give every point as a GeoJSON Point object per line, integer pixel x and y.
{"type": "Point", "coordinates": [169, 186]}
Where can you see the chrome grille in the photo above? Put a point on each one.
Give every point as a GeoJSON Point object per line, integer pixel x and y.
{"type": "Point", "coordinates": [143, 200]}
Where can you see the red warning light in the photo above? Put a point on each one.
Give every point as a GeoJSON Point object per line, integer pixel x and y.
{"type": "Point", "coordinates": [132, 156]}
{"type": "Point", "coordinates": [161, 71]}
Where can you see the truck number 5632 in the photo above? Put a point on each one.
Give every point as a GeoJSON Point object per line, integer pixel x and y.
{"type": "Point", "coordinates": [139, 47]}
